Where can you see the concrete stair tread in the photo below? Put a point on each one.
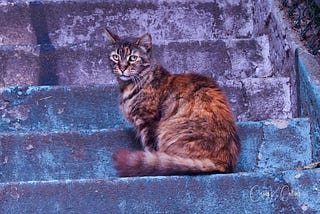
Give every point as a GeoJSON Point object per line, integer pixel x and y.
{"type": "Point", "coordinates": [290, 191]}
{"type": "Point", "coordinates": [86, 154]}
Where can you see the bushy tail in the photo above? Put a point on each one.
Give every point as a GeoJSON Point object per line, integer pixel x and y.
{"type": "Point", "coordinates": [140, 163]}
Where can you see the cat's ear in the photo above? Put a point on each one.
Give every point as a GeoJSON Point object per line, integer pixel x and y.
{"type": "Point", "coordinates": [145, 41]}
{"type": "Point", "coordinates": [112, 37]}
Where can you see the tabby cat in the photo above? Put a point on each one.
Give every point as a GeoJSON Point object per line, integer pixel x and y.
{"type": "Point", "coordinates": [183, 120]}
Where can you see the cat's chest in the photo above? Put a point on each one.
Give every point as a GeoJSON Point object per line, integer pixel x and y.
{"type": "Point", "coordinates": [127, 100]}
{"type": "Point", "coordinates": [139, 103]}
{"type": "Point", "coordinates": [126, 107]}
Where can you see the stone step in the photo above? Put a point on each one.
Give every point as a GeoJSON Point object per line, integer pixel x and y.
{"type": "Point", "coordinates": [280, 192]}
{"type": "Point", "coordinates": [89, 62]}
{"type": "Point", "coordinates": [68, 22]}
{"type": "Point", "coordinates": [270, 145]}
{"type": "Point", "coordinates": [37, 108]}
{"type": "Point", "coordinates": [48, 108]}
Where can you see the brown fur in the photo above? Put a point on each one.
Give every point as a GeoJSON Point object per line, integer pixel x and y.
{"type": "Point", "coordinates": [184, 120]}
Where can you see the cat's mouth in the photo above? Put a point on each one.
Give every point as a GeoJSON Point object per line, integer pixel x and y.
{"type": "Point", "coordinates": [124, 77]}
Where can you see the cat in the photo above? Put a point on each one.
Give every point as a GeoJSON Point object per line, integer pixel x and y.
{"type": "Point", "coordinates": [184, 121]}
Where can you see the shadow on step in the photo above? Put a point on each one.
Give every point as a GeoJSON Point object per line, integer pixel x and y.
{"type": "Point", "coordinates": [48, 63]}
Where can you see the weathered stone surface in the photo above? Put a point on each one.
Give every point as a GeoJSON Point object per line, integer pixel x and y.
{"type": "Point", "coordinates": [89, 63]}
{"type": "Point", "coordinates": [283, 42]}
{"type": "Point", "coordinates": [285, 145]}
{"type": "Point", "coordinates": [59, 108]}
{"type": "Point", "coordinates": [86, 153]}
{"type": "Point", "coordinates": [65, 22]}
{"type": "Point", "coordinates": [259, 98]}
{"type": "Point", "coordinates": [309, 96]}
{"type": "Point", "coordinates": [281, 192]}
{"type": "Point", "coordinates": [16, 24]}
{"type": "Point", "coordinates": [262, 10]}
{"type": "Point", "coordinates": [249, 58]}
{"type": "Point", "coordinates": [63, 108]}
{"type": "Point", "coordinates": [274, 145]}
{"type": "Point", "coordinates": [236, 95]}
{"type": "Point", "coordinates": [84, 64]}
{"type": "Point", "coordinates": [268, 98]}
{"type": "Point", "coordinates": [73, 23]}
{"type": "Point", "coordinates": [76, 155]}
{"type": "Point", "coordinates": [19, 65]}
{"type": "Point", "coordinates": [251, 139]}
{"type": "Point", "coordinates": [209, 58]}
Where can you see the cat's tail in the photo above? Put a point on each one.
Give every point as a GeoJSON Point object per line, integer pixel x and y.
{"type": "Point", "coordinates": [140, 163]}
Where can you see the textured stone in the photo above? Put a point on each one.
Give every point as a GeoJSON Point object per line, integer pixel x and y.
{"type": "Point", "coordinates": [19, 65]}
{"type": "Point", "coordinates": [285, 145]}
{"type": "Point", "coordinates": [251, 134]}
{"type": "Point", "coordinates": [309, 96]}
{"type": "Point", "coordinates": [74, 23]}
{"type": "Point", "coordinates": [236, 96]}
{"type": "Point", "coordinates": [283, 43]}
{"type": "Point", "coordinates": [89, 63]}
{"type": "Point", "coordinates": [16, 24]}
{"type": "Point", "coordinates": [86, 153]}
{"type": "Point", "coordinates": [249, 58]}
{"type": "Point", "coordinates": [67, 22]}
{"type": "Point", "coordinates": [59, 108]}
{"type": "Point", "coordinates": [281, 192]}
{"type": "Point", "coordinates": [76, 155]}
{"type": "Point", "coordinates": [209, 58]}
{"type": "Point", "coordinates": [268, 98]}
{"type": "Point", "coordinates": [72, 107]}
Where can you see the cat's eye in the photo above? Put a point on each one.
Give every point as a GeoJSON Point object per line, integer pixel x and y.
{"type": "Point", "coordinates": [115, 57]}
{"type": "Point", "coordinates": [133, 58]}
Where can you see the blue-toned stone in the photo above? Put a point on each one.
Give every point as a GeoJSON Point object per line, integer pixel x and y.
{"type": "Point", "coordinates": [290, 192]}
{"type": "Point", "coordinates": [86, 154]}
{"type": "Point", "coordinates": [251, 135]}
{"type": "Point", "coordinates": [60, 108]}
{"type": "Point", "coordinates": [62, 155]}
{"type": "Point", "coordinates": [309, 96]}
{"type": "Point", "coordinates": [285, 145]}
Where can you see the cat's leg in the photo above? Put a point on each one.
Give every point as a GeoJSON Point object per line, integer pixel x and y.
{"type": "Point", "coordinates": [148, 137]}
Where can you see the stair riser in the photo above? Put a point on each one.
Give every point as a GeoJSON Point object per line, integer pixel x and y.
{"type": "Point", "coordinates": [47, 108]}
{"type": "Point", "coordinates": [266, 146]}
{"type": "Point", "coordinates": [292, 192]}
{"type": "Point", "coordinates": [69, 22]}
{"type": "Point", "coordinates": [87, 64]}
{"type": "Point", "coordinates": [96, 107]}
{"type": "Point", "coordinates": [69, 155]}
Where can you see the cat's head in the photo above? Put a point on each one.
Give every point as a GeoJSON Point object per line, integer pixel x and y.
{"type": "Point", "coordinates": [130, 57]}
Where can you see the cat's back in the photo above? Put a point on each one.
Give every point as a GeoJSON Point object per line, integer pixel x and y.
{"type": "Point", "coordinates": [194, 96]}
{"type": "Point", "coordinates": [192, 83]}
{"type": "Point", "coordinates": [196, 88]}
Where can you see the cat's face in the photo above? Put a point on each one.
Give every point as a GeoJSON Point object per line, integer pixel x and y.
{"type": "Point", "coordinates": [129, 58]}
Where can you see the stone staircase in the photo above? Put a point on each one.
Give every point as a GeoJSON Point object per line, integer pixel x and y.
{"type": "Point", "coordinates": [60, 120]}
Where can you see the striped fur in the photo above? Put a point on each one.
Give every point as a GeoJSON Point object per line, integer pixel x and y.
{"type": "Point", "coordinates": [183, 120]}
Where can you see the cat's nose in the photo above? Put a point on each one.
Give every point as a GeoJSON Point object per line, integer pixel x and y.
{"type": "Point", "coordinates": [122, 69]}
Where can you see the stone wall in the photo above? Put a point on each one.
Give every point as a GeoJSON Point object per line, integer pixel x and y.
{"type": "Point", "coordinates": [309, 95]}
